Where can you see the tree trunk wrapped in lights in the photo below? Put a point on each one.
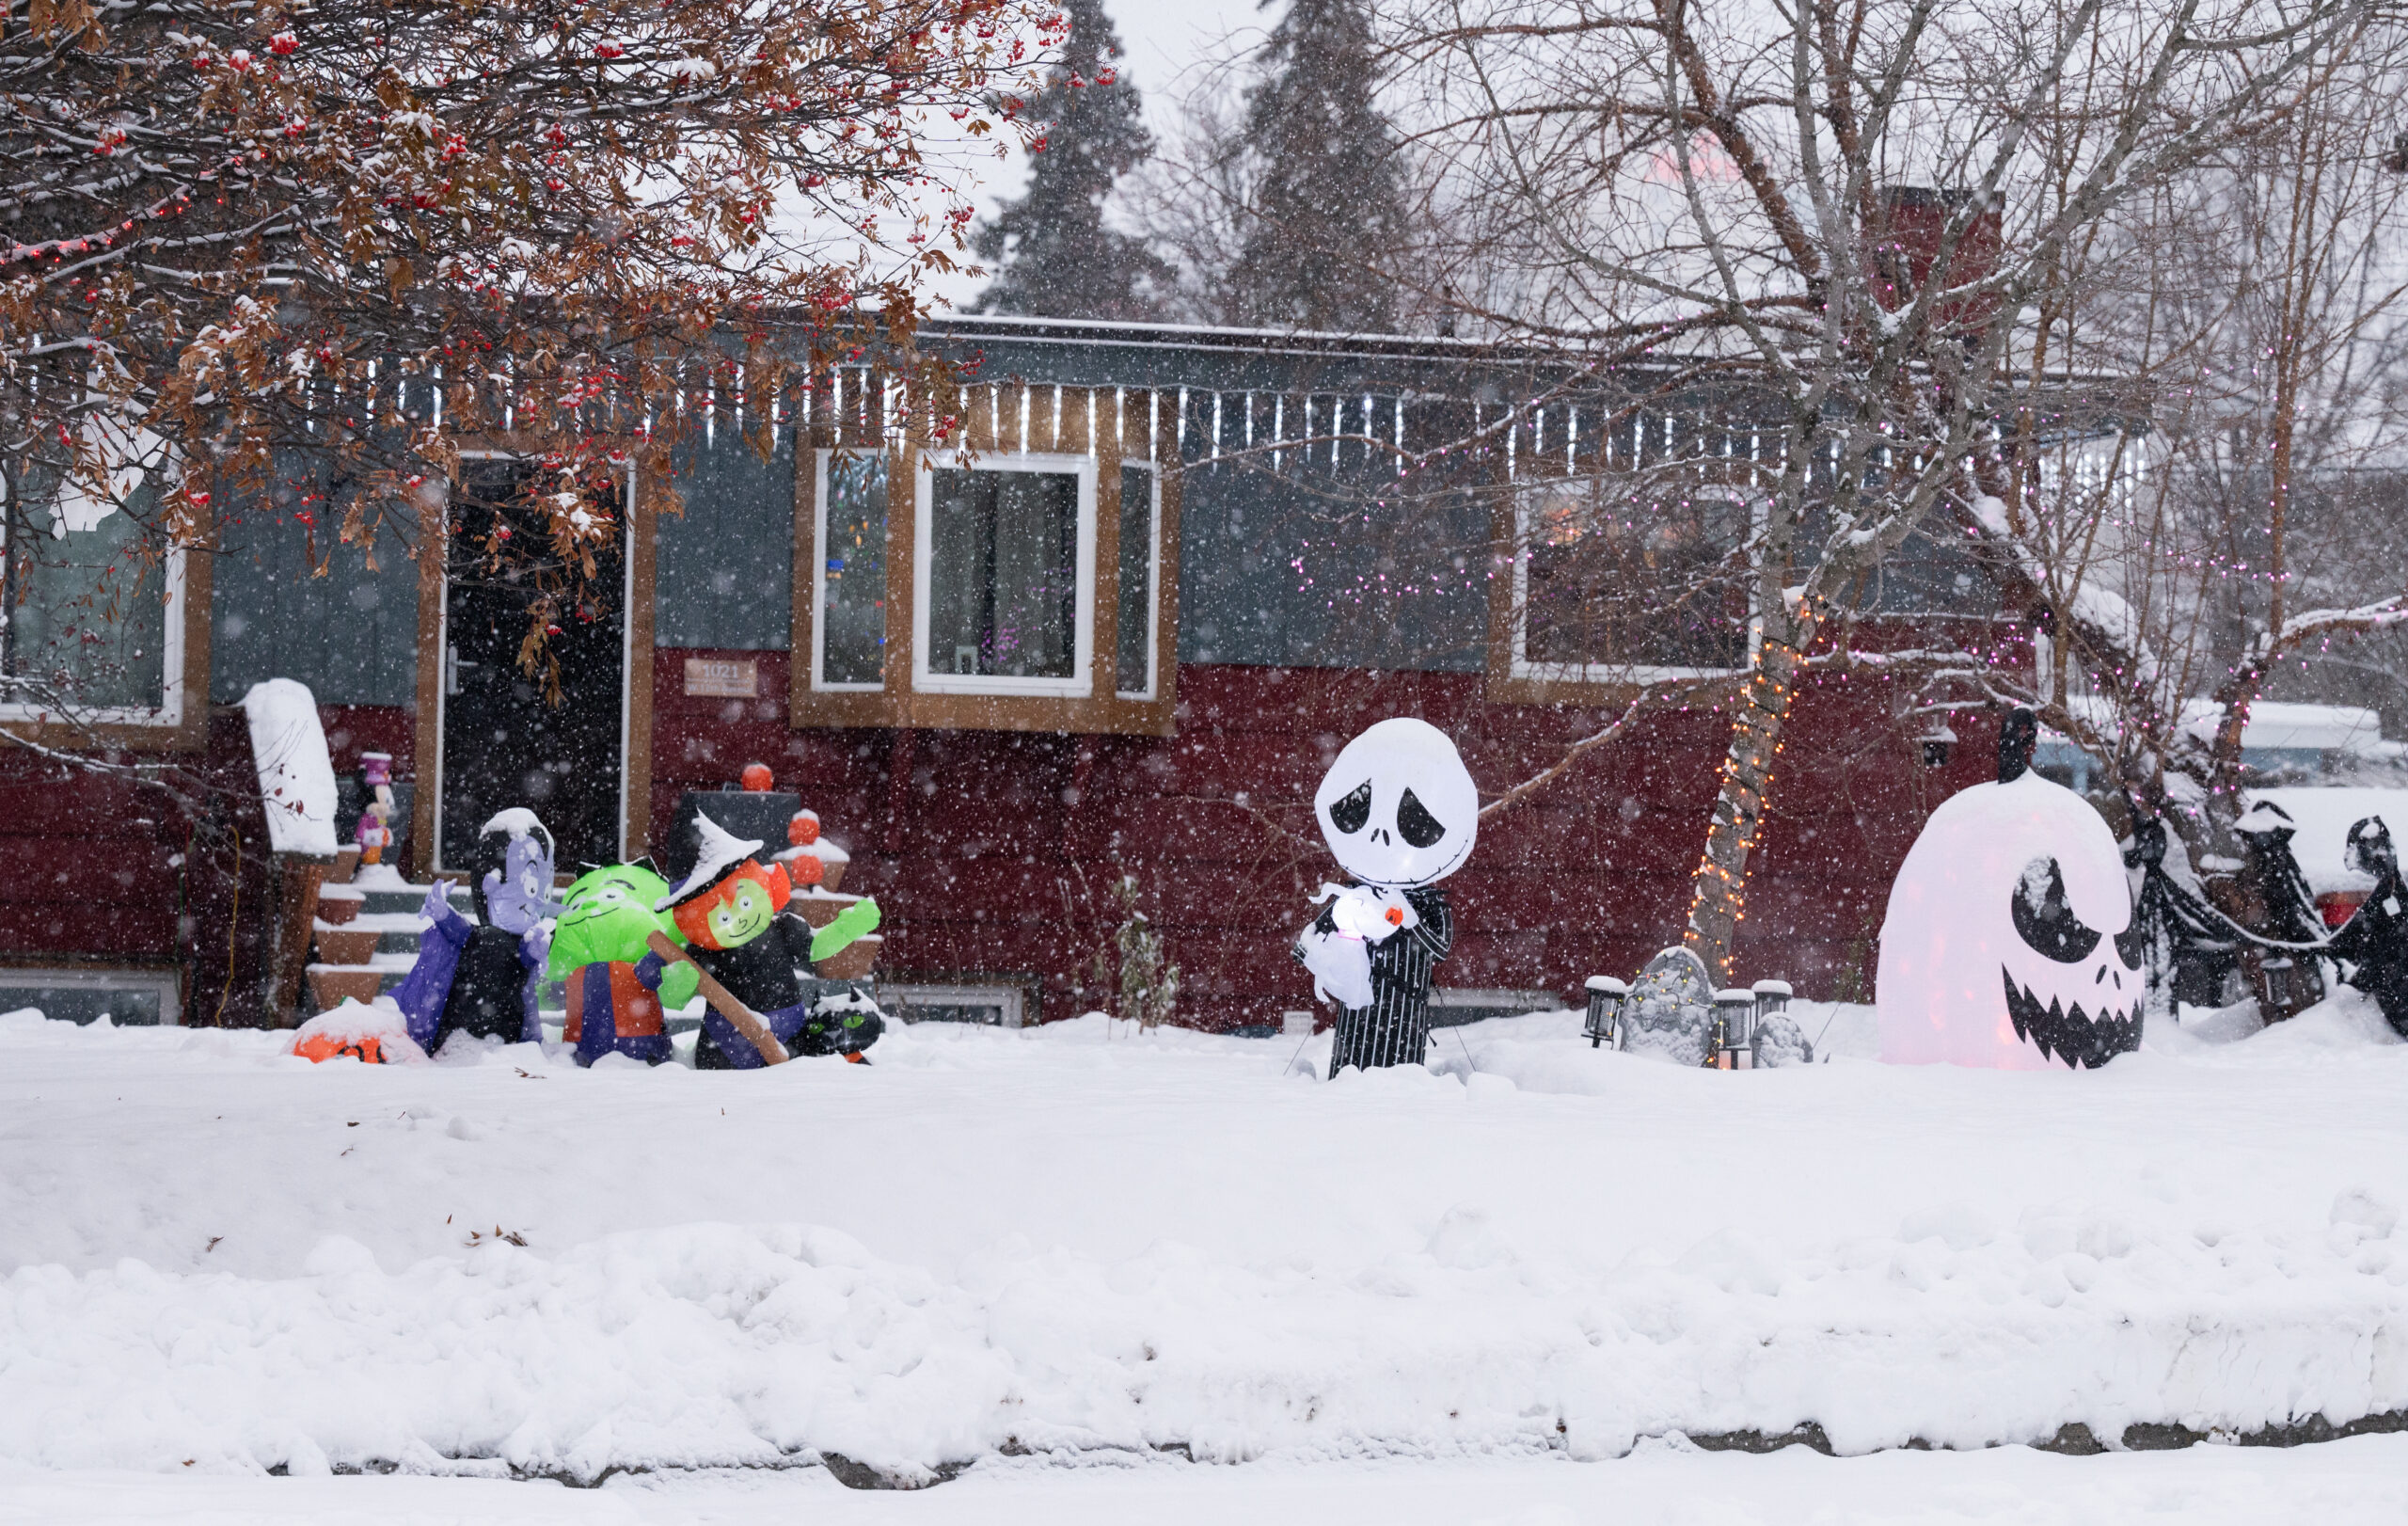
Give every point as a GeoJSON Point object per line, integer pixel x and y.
{"type": "Point", "coordinates": [1717, 901]}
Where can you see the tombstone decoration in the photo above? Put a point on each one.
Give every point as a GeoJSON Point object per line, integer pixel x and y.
{"type": "Point", "coordinates": [482, 978]}
{"type": "Point", "coordinates": [731, 912]}
{"type": "Point", "coordinates": [2008, 941]}
{"type": "Point", "coordinates": [2375, 939]}
{"type": "Point", "coordinates": [605, 917]}
{"type": "Point", "coordinates": [1778, 1040]}
{"type": "Point", "coordinates": [1669, 1012]}
{"type": "Point", "coordinates": [1400, 813]}
{"type": "Point", "coordinates": [2290, 979]}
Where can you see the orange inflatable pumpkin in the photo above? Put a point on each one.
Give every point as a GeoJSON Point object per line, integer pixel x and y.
{"type": "Point", "coordinates": [320, 1047]}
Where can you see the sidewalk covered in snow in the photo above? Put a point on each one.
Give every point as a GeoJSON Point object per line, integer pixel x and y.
{"type": "Point", "coordinates": [1065, 1243]}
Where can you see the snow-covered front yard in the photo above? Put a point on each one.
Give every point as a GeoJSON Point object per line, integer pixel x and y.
{"type": "Point", "coordinates": [1075, 1260]}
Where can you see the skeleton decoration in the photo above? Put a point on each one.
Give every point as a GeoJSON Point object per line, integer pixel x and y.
{"type": "Point", "coordinates": [2010, 941]}
{"type": "Point", "coordinates": [1400, 813]}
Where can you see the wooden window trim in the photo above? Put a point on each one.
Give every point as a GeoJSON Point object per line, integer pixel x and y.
{"type": "Point", "coordinates": [995, 418]}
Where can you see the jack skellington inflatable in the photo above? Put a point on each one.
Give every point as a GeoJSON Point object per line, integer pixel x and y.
{"type": "Point", "coordinates": [2009, 941]}
{"type": "Point", "coordinates": [1400, 812]}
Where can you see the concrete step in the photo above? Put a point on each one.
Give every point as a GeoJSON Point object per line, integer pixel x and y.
{"type": "Point", "coordinates": [388, 892]}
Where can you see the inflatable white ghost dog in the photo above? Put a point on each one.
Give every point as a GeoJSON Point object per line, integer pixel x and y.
{"type": "Point", "coordinates": [2003, 943]}
{"type": "Point", "coordinates": [1400, 813]}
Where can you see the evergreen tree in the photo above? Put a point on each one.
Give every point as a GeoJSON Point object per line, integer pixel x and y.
{"type": "Point", "coordinates": [1057, 258]}
{"type": "Point", "coordinates": [1329, 190]}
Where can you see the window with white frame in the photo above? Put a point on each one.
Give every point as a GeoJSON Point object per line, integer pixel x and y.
{"type": "Point", "coordinates": [1141, 564]}
{"type": "Point", "coordinates": [1004, 576]}
{"type": "Point", "coordinates": [1612, 585]}
{"type": "Point", "coordinates": [850, 640]}
{"type": "Point", "coordinates": [91, 613]}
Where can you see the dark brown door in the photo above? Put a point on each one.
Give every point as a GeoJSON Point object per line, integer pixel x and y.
{"type": "Point", "coordinates": [549, 739]}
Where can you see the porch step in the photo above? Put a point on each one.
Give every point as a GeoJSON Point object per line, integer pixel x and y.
{"type": "Point", "coordinates": [389, 894]}
{"type": "Point", "coordinates": [370, 932]}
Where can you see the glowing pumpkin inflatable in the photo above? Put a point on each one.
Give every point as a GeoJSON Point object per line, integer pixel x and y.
{"type": "Point", "coordinates": [2010, 941]}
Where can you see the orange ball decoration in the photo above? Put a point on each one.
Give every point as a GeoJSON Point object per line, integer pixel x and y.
{"type": "Point", "coordinates": [756, 777]}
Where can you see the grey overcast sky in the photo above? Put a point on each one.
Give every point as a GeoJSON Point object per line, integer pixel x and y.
{"type": "Point", "coordinates": [1169, 45]}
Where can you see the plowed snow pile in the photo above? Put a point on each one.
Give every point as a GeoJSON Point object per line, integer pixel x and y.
{"type": "Point", "coordinates": [999, 1241]}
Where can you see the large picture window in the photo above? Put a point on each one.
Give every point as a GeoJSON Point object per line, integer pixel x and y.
{"type": "Point", "coordinates": [1006, 577]}
{"type": "Point", "coordinates": [1006, 558]}
{"type": "Point", "coordinates": [1611, 587]}
{"type": "Point", "coordinates": [91, 618]}
{"type": "Point", "coordinates": [851, 544]}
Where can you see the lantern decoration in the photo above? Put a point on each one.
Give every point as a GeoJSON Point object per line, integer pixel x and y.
{"type": "Point", "coordinates": [1735, 1029]}
{"type": "Point", "coordinates": [1604, 1023]}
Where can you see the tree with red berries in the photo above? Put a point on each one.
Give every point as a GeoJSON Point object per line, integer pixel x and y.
{"type": "Point", "coordinates": [384, 229]}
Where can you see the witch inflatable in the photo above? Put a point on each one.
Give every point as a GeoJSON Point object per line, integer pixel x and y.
{"type": "Point", "coordinates": [2010, 941]}
{"type": "Point", "coordinates": [481, 980]}
{"type": "Point", "coordinates": [605, 920]}
{"type": "Point", "coordinates": [1400, 813]}
{"type": "Point", "coordinates": [732, 913]}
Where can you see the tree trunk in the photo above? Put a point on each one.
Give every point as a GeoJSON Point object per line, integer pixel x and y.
{"type": "Point", "coordinates": [1718, 889]}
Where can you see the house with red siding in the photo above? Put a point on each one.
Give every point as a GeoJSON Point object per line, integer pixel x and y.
{"type": "Point", "coordinates": [1112, 625]}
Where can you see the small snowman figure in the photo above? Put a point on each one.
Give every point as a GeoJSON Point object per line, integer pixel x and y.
{"type": "Point", "coordinates": [1401, 813]}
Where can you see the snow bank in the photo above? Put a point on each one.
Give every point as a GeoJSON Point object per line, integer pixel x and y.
{"type": "Point", "coordinates": [1080, 1240]}
{"type": "Point", "coordinates": [297, 773]}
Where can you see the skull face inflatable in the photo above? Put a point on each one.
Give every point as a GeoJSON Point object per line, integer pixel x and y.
{"type": "Point", "coordinates": [1398, 807]}
{"type": "Point", "coordinates": [2005, 943]}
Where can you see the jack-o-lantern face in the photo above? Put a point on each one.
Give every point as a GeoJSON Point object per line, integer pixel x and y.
{"type": "Point", "coordinates": [2009, 940]}
{"type": "Point", "coordinates": [2083, 1025]}
{"type": "Point", "coordinates": [1398, 807]}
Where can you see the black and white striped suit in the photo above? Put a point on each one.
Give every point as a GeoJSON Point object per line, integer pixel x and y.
{"type": "Point", "coordinates": [1395, 1029]}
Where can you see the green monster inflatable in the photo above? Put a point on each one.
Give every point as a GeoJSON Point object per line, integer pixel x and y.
{"type": "Point", "coordinates": [595, 949]}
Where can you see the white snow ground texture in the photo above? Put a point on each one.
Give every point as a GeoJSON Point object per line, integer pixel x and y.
{"type": "Point", "coordinates": [1077, 1245]}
